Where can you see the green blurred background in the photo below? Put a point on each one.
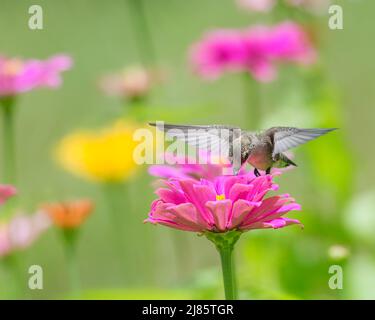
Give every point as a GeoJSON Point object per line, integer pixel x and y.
{"type": "Point", "coordinates": [334, 180]}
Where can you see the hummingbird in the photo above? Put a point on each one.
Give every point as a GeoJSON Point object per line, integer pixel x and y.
{"type": "Point", "coordinates": [263, 150]}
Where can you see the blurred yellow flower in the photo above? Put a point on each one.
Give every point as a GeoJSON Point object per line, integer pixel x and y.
{"type": "Point", "coordinates": [105, 155]}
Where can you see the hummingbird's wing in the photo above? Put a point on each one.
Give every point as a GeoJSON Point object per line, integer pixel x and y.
{"type": "Point", "coordinates": [216, 139]}
{"type": "Point", "coordinates": [285, 138]}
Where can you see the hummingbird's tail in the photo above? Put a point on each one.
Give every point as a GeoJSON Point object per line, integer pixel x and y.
{"type": "Point", "coordinates": [282, 161]}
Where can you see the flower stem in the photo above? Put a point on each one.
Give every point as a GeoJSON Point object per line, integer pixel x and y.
{"type": "Point", "coordinates": [224, 243]}
{"type": "Point", "coordinates": [142, 31]}
{"type": "Point", "coordinates": [9, 175]}
{"type": "Point", "coordinates": [135, 108]}
{"type": "Point", "coordinates": [15, 290]}
{"type": "Point", "coordinates": [115, 196]}
{"type": "Point", "coordinates": [253, 108]}
{"type": "Point", "coordinates": [118, 206]}
{"type": "Point", "coordinates": [226, 256]}
{"type": "Point", "coordinates": [70, 238]}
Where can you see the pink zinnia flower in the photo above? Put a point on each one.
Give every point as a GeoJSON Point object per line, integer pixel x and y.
{"type": "Point", "coordinates": [6, 191]}
{"type": "Point", "coordinates": [289, 42]}
{"type": "Point", "coordinates": [218, 51]}
{"type": "Point", "coordinates": [224, 204]}
{"type": "Point", "coordinates": [266, 47]}
{"type": "Point", "coordinates": [17, 76]}
{"type": "Point", "coordinates": [257, 50]}
{"type": "Point", "coordinates": [21, 231]}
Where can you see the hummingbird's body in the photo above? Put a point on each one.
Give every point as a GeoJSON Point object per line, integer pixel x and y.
{"type": "Point", "coordinates": [257, 150]}
{"type": "Point", "coordinates": [260, 152]}
{"type": "Point", "coordinates": [263, 150]}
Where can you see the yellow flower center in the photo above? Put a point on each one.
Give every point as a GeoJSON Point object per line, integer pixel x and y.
{"type": "Point", "coordinates": [220, 197]}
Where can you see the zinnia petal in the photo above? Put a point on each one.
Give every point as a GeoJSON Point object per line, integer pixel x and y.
{"type": "Point", "coordinates": [198, 195]}
{"type": "Point", "coordinates": [280, 223]}
{"type": "Point", "coordinates": [241, 209]}
{"type": "Point", "coordinates": [186, 214]}
{"type": "Point", "coordinates": [220, 211]}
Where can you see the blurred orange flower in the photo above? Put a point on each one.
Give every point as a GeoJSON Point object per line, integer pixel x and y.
{"type": "Point", "coordinates": [69, 215]}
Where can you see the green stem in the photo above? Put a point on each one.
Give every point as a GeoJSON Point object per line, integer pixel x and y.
{"type": "Point", "coordinates": [70, 239]}
{"type": "Point", "coordinates": [135, 108]}
{"type": "Point", "coordinates": [16, 281]}
{"type": "Point", "coordinates": [142, 31]}
{"type": "Point", "coordinates": [226, 256]}
{"type": "Point", "coordinates": [253, 107]}
{"type": "Point", "coordinates": [116, 199]}
{"type": "Point", "coordinates": [115, 196]}
{"type": "Point", "coordinates": [224, 243]}
{"type": "Point", "coordinates": [9, 169]}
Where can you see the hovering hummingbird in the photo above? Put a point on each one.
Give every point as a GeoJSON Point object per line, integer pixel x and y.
{"type": "Point", "coordinates": [263, 150]}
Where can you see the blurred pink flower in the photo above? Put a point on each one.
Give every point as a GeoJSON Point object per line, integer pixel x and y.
{"type": "Point", "coordinates": [257, 5]}
{"type": "Point", "coordinates": [17, 76]}
{"type": "Point", "coordinates": [226, 203]}
{"type": "Point", "coordinates": [256, 50]}
{"type": "Point", "coordinates": [21, 231]}
{"type": "Point", "coordinates": [132, 82]}
{"type": "Point", "coordinates": [220, 50]}
{"type": "Point", "coordinates": [266, 47]}
{"type": "Point", "coordinates": [6, 191]}
{"type": "Point", "coordinates": [289, 41]}
{"type": "Point", "coordinates": [313, 6]}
